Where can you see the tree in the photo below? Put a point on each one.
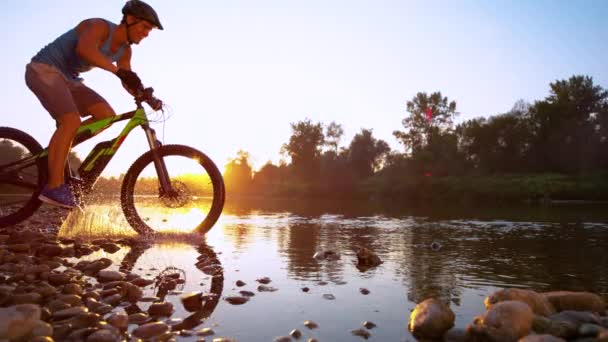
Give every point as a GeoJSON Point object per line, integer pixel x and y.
{"type": "Point", "coordinates": [304, 148]}
{"type": "Point", "coordinates": [419, 128]}
{"type": "Point", "coordinates": [366, 153]}
{"type": "Point", "coordinates": [238, 172]}
{"type": "Point", "coordinates": [333, 134]}
{"type": "Point", "coordinates": [567, 121]}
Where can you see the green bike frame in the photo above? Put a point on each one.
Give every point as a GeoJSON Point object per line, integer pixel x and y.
{"type": "Point", "coordinates": [96, 161]}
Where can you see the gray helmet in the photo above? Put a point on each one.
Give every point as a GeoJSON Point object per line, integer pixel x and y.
{"type": "Point", "coordinates": [142, 10]}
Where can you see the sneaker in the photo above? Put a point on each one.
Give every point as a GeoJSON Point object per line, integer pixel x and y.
{"type": "Point", "coordinates": [61, 196]}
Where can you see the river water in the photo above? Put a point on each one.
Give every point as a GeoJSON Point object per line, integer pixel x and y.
{"type": "Point", "coordinates": [458, 254]}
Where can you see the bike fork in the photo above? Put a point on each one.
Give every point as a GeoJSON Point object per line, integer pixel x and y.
{"type": "Point", "coordinates": [159, 163]}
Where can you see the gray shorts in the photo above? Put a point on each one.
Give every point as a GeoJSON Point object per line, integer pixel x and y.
{"type": "Point", "coordinates": [58, 94]}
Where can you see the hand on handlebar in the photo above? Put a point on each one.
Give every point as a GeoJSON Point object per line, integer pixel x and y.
{"type": "Point", "coordinates": [146, 95]}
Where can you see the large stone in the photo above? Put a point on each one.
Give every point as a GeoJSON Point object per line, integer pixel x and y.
{"type": "Point", "coordinates": [161, 309]}
{"type": "Point", "coordinates": [504, 321]}
{"type": "Point", "coordinates": [18, 321]}
{"type": "Point", "coordinates": [541, 338]}
{"type": "Point", "coordinates": [109, 275]}
{"type": "Point", "coordinates": [577, 301]}
{"type": "Point", "coordinates": [150, 330]}
{"type": "Point", "coordinates": [366, 258]}
{"type": "Point", "coordinates": [431, 319]}
{"type": "Point", "coordinates": [537, 302]}
{"type": "Point", "coordinates": [192, 301]}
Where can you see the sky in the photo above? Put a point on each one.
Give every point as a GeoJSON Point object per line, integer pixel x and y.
{"type": "Point", "coordinates": [236, 73]}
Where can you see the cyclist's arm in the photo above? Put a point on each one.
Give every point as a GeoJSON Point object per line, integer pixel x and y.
{"type": "Point", "coordinates": [91, 34]}
{"type": "Point", "coordinates": [125, 63]}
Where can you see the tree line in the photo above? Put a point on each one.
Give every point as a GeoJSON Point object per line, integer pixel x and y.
{"type": "Point", "coordinates": [555, 147]}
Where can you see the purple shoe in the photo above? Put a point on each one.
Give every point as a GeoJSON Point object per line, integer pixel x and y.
{"type": "Point", "coordinates": [61, 196]}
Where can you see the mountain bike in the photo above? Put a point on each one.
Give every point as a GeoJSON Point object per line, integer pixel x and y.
{"type": "Point", "coordinates": [168, 187]}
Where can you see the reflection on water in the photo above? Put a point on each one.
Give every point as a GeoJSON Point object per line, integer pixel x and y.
{"type": "Point", "coordinates": [427, 253]}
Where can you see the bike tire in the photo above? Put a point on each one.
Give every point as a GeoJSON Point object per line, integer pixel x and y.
{"type": "Point", "coordinates": [127, 192]}
{"type": "Point", "coordinates": [31, 203]}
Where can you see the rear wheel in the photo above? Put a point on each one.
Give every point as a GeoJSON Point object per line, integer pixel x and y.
{"type": "Point", "coordinates": [195, 204]}
{"type": "Point", "coordinates": [22, 175]}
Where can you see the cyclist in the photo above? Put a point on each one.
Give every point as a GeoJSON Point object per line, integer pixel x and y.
{"type": "Point", "coordinates": [53, 76]}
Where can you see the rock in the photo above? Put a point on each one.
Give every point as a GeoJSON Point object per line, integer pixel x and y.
{"type": "Point", "coordinates": [361, 332]}
{"type": "Point", "coordinates": [49, 250]}
{"type": "Point", "coordinates": [366, 258]}
{"type": "Point", "coordinates": [539, 304]}
{"type": "Point", "coordinates": [108, 275]}
{"type": "Point", "coordinates": [70, 312]}
{"type": "Point", "coordinates": [142, 282]}
{"type": "Point", "coordinates": [110, 247]}
{"type": "Point", "coordinates": [150, 330]}
{"type": "Point", "coordinates": [205, 332]}
{"type": "Point", "coordinates": [589, 330]}
{"type": "Point", "coordinates": [57, 279]}
{"type": "Point", "coordinates": [566, 324]}
{"type": "Point", "coordinates": [310, 324]}
{"type": "Point", "coordinates": [236, 300]}
{"type": "Point", "coordinates": [326, 255]}
{"type": "Point", "coordinates": [577, 301]}
{"type": "Point", "coordinates": [369, 325]}
{"type": "Point", "coordinates": [119, 320]}
{"type": "Point", "coordinates": [19, 248]}
{"type": "Point", "coordinates": [247, 293]}
{"type": "Point", "coordinates": [133, 292]}
{"type": "Point", "coordinates": [455, 335]}
{"type": "Point", "coordinates": [505, 321]}
{"type": "Point", "coordinates": [138, 318]}
{"type": "Point", "coordinates": [161, 309]}
{"type": "Point", "coordinates": [329, 296]}
{"type": "Point", "coordinates": [295, 333]}
{"type": "Point", "coordinates": [305, 289]}
{"type": "Point", "coordinates": [192, 301]}
{"type": "Point", "coordinates": [113, 300]}
{"type": "Point", "coordinates": [364, 291]}
{"type": "Point", "coordinates": [72, 288]}
{"type": "Point", "coordinates": [42, 328]}
{"type": "Point", "coordinates": [71, 299]}
{"type": "Point", "coordinates": [282, 339]}
{"type": "Point", "coordinates": [541, 338]}
{"type": "Point", "coordinates": [240, 283]}
{"type": "Point", "coordinates": [18, 321]}
{"type": "Point", "coordinates": [430, 319]}
{"type": "Point", "coordinates": [264, 288]}
{"type": "Point", "coordinates": [26, 298]}
{"type": "Point", "coordinates": [264, 280]}
{"type": "Point", "coordinates": [103, 335]}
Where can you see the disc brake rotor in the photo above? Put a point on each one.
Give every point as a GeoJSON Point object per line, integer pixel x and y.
{"type": "Point", "coordinates": [179, 197]}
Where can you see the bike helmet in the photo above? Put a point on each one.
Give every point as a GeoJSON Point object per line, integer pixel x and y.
{"type": "Point", "coordinates": [142, 10]}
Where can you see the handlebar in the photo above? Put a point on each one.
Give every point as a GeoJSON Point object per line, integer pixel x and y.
{"type": "Point", "coordinates": [146, 95]}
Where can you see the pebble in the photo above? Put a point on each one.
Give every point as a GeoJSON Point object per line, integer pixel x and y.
{"type": "Point", "coordinates": [205, 332]}
{"type": "Point", "coordinates": [362, 333]}
{"type": "Point", "coordinates": [310, 324]}
{"type": "Point", "coordinates": [264, 280]}
{"type": "Point", "coordinates": [236, 300]}
{"type": "Point", "coordinates": [369, 325]}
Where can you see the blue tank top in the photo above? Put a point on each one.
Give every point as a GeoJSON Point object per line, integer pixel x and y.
{"type": "Point", "coordinates": [62, 54]}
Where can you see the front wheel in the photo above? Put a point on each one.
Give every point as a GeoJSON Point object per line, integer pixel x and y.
{"type": "Point", "coordinates": [195, 203]}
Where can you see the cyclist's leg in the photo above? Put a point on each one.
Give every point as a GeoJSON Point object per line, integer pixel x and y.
{"type": "Point", "coordinates": [53, 90]}
{"type": "Point", "coordinates": [91, 103]}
